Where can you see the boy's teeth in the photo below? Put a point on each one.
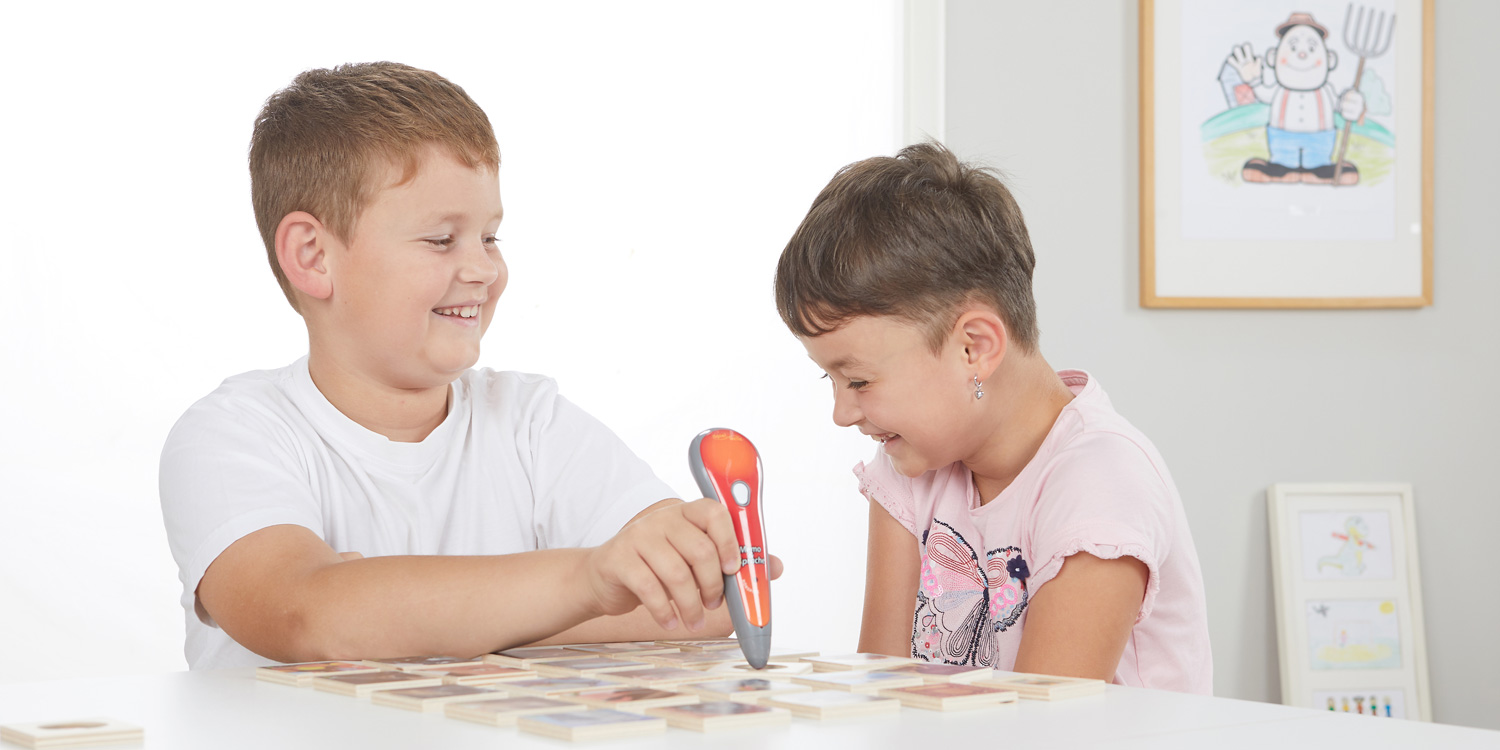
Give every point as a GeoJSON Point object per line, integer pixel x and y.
{"type": "Point", "coordinates": [462, 312]}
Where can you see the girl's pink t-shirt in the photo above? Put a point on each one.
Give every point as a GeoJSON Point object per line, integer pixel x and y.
{"type": "Point", "coordinates": [1095, 485]}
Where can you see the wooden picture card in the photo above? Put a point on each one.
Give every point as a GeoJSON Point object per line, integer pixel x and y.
{"type": "Point", "coordinates": [503, 712]}
{"type": "Point", "coordinates": [746, 689]}
{"type": "Point", "coordinates": [362, 685]}
{"type": "Point", "coordinates": [432, 699]}
{"type": "Point", "coordinates": [950, 696]}
{"type": "Point", "coordinates": [658, 676]}
{"type": "Point", "coordinates": [594, 724]}
{"type": "Point", "coordinates": [585, 667]}
{"type": "Point", "coordinates": [302, 674]}
{"type": "Point", "coordinates": [713, 715]}
{"type": "Point", "coordinates": [424, 663]}
{"type": "Point", "coordinates": [829, 704]}
{"type": "Point", "coordinates": [858, 682]}
{"type": "Point", "coordinates": [525, 657]}
{"type": "Point", "coordinates": [627, 648]}
{"type": "Point", "coordinates": [1043, 687]}
{"type": "Point", "coordinates": [938, 673]}
{"type": "Point", "coordinates": [71, 733]}
{"type": "Point", "coordinates": [847, 662]}
{"type": "Point", "coordinates": [634, 699]}
{"type": "Point", "coordinates": [702, 644]}
{"type": "Point", "coordinates": [783, 670]}
{"type": "Point", "coordinates": [553, 686]}
{"type": "Point", "coordinates": [693, 659]}
{"type": "Point", "coordinates": [483, 674]}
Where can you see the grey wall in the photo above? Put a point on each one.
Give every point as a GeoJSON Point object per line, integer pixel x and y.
{"type": "Point", "coordinates": [1238, 400]}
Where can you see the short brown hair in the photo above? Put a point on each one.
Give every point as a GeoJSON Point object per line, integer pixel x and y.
{"type": "Point", "coordinates": [914, 236]}
{"type": "Point", "coordinates": [320, 143]}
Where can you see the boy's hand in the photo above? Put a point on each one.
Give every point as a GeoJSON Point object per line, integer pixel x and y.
{"type": "Point", "coordinates": [677, 553]}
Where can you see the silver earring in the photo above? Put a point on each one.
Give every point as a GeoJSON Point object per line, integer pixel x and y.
{"type": "Point", "coordinates": [978, 388]}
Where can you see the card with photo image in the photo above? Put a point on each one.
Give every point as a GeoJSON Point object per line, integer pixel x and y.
{"type": "Point", "coordinates": [746, 689]}
{"type": "Point", "coordinates": [628, 698]}
{"type": "Point", "coordinates": [364, 684]}
{"type": "Point", "coordinates": [858, 682]}
{"type": "Point", "coordinates": [713, 715]}
{"type": "Point", "coordinates": [503, 712]}
{"type": "Point", "coordinates": [554, 686]}
{"type": "Point", "coordinates": [1043, 687]}
{"type": "Point", "coordinates": [593, 724]}
{"type": "Point", "coordinates": [847, 662]}
{"type": "Point", "coordinates": [830, 704]}
{"type": "Point", "coordinates": [423, 663]}
{"type": "Point", "coordinates": [950, 696]}
{"type": "Point", "coordinates": [72, 733]}
{"type": "Point", "coordinates": [585, 667]}
{"type": "Point", "coordinates": [302, 674]}
{"type": "Point", "coordinates": [434, 698]}
{"type": "Point", "coordinates": [483, 674]}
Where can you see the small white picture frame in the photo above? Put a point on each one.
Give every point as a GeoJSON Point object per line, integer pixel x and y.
{"type": "Point", "coordinates": [1348, 599]}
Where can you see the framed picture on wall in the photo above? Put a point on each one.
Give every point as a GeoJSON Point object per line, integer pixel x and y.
{"type": "Point", "coordinates": [1348, 599]}
{"type": "Point", "coordinates": [1286, 153]}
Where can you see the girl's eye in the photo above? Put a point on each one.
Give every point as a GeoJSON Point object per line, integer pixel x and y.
{"type": "Point", "coordinates": [490, 241]}
{"type": "Point", "coordinates": [858, 384]}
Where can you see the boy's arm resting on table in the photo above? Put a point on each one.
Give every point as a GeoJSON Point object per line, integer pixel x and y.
{"type": "Point", "coordinates": [283, 593]}
{"type": "Point", "coordinates": [892, 574]}
{"type": "Point", "coordinates": [1078, 624]}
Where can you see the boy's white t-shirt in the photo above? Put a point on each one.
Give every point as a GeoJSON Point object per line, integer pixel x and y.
{"type": "Point", "coordinates": [514, 467]}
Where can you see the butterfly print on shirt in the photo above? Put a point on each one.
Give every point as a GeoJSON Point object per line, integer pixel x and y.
{"type": "Point", "coordinates": [962, 604]}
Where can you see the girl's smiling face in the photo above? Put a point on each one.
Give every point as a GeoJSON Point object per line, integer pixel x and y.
{"type": "Point", "coordinates": [889, 384]}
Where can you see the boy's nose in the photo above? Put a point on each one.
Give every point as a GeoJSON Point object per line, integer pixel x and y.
{"type": "Point", "coordinates": [846, 412]}
{"type": "Point", "coordinates": [479, 267]}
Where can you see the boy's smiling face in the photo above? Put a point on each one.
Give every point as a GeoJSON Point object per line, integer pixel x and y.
{"type": "Point", "coordinates": [888, 383]}
{"type": "Point", "coordinates": [416, 285]}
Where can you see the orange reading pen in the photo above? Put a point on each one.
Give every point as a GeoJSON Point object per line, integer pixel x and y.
{"type": "Point", "coordinates": [728, 469]}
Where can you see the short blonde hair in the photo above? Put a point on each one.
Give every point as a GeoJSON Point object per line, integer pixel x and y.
{"type": "Point", "coordinates": [321, 144]}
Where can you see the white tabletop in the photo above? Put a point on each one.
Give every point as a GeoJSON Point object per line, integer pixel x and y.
{"type": "Point", "coordinates": [230, 709]}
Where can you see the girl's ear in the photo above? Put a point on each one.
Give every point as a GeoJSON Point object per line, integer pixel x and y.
{"type": "Point", "coordinates": [985, 340]}
{"type": "Point", "coordinates": [300, 249]}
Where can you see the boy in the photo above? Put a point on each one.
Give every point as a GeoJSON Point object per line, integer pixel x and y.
{"type": "Point", "coordinates": [378, 497]}
{"type": "Point", "coordinates": [1016, 520]}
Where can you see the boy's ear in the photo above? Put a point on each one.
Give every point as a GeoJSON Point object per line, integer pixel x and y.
{"type": "Point", "coordinates": [301, 251]}
{"type": "Point", "coordinates": [985, 338]}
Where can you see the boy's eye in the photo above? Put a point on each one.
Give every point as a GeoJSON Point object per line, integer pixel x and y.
{"type": "Point", "coordinates": [438, 241]}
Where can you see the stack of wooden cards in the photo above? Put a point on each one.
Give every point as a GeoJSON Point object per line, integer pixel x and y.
{"type": "Point", "coordinates": [858, 682]}
{"type": "Point", "coordinates": [503, 712]}
{"type": "Point", "coordinates": [1044, 687]}
{"type": "Point", "coordinates": [362, 685]}
{"type": "Point", "coordinates": [599, 723]}
{"type": "Point", "coordinates": [423, 663]}
{"type": "Point", "coordinates": [705, 717]}
{"type": "Point", "coordinates": [433, 698]}
{"type": "Point", "coordinates": [935, 673]}
{"type": "Point", "coordinates": [302, 675]}
{"type": "Point", "coordinates": [950, 696]}
{"type": "Point", "coordinates": [634, 699]}
{"type": "Point", "coordinates": [747, 689]}
{"type": "Point", "coordinates": [71, 733]}
{"type": "Point", "coordinates": [827, 704]}
{"type": "Point", "coordinates": [847, 662]}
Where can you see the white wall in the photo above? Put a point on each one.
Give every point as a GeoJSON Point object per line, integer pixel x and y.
{"type": "Point", "coordinates": [656, 157]}
{"type": "Point", "coordinates": [1238, 400]}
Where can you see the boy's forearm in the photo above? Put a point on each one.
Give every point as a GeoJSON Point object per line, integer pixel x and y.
{"type": "Point", "coordinates": [436, 605]}
{"type": "Point", "coordinates": [638, 626]}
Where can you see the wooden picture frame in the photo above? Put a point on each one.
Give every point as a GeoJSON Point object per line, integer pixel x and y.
{"type": "Point", "coordinates": [1219, 231]}
{"type": "Point", "coordinates": [1348, 596]}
